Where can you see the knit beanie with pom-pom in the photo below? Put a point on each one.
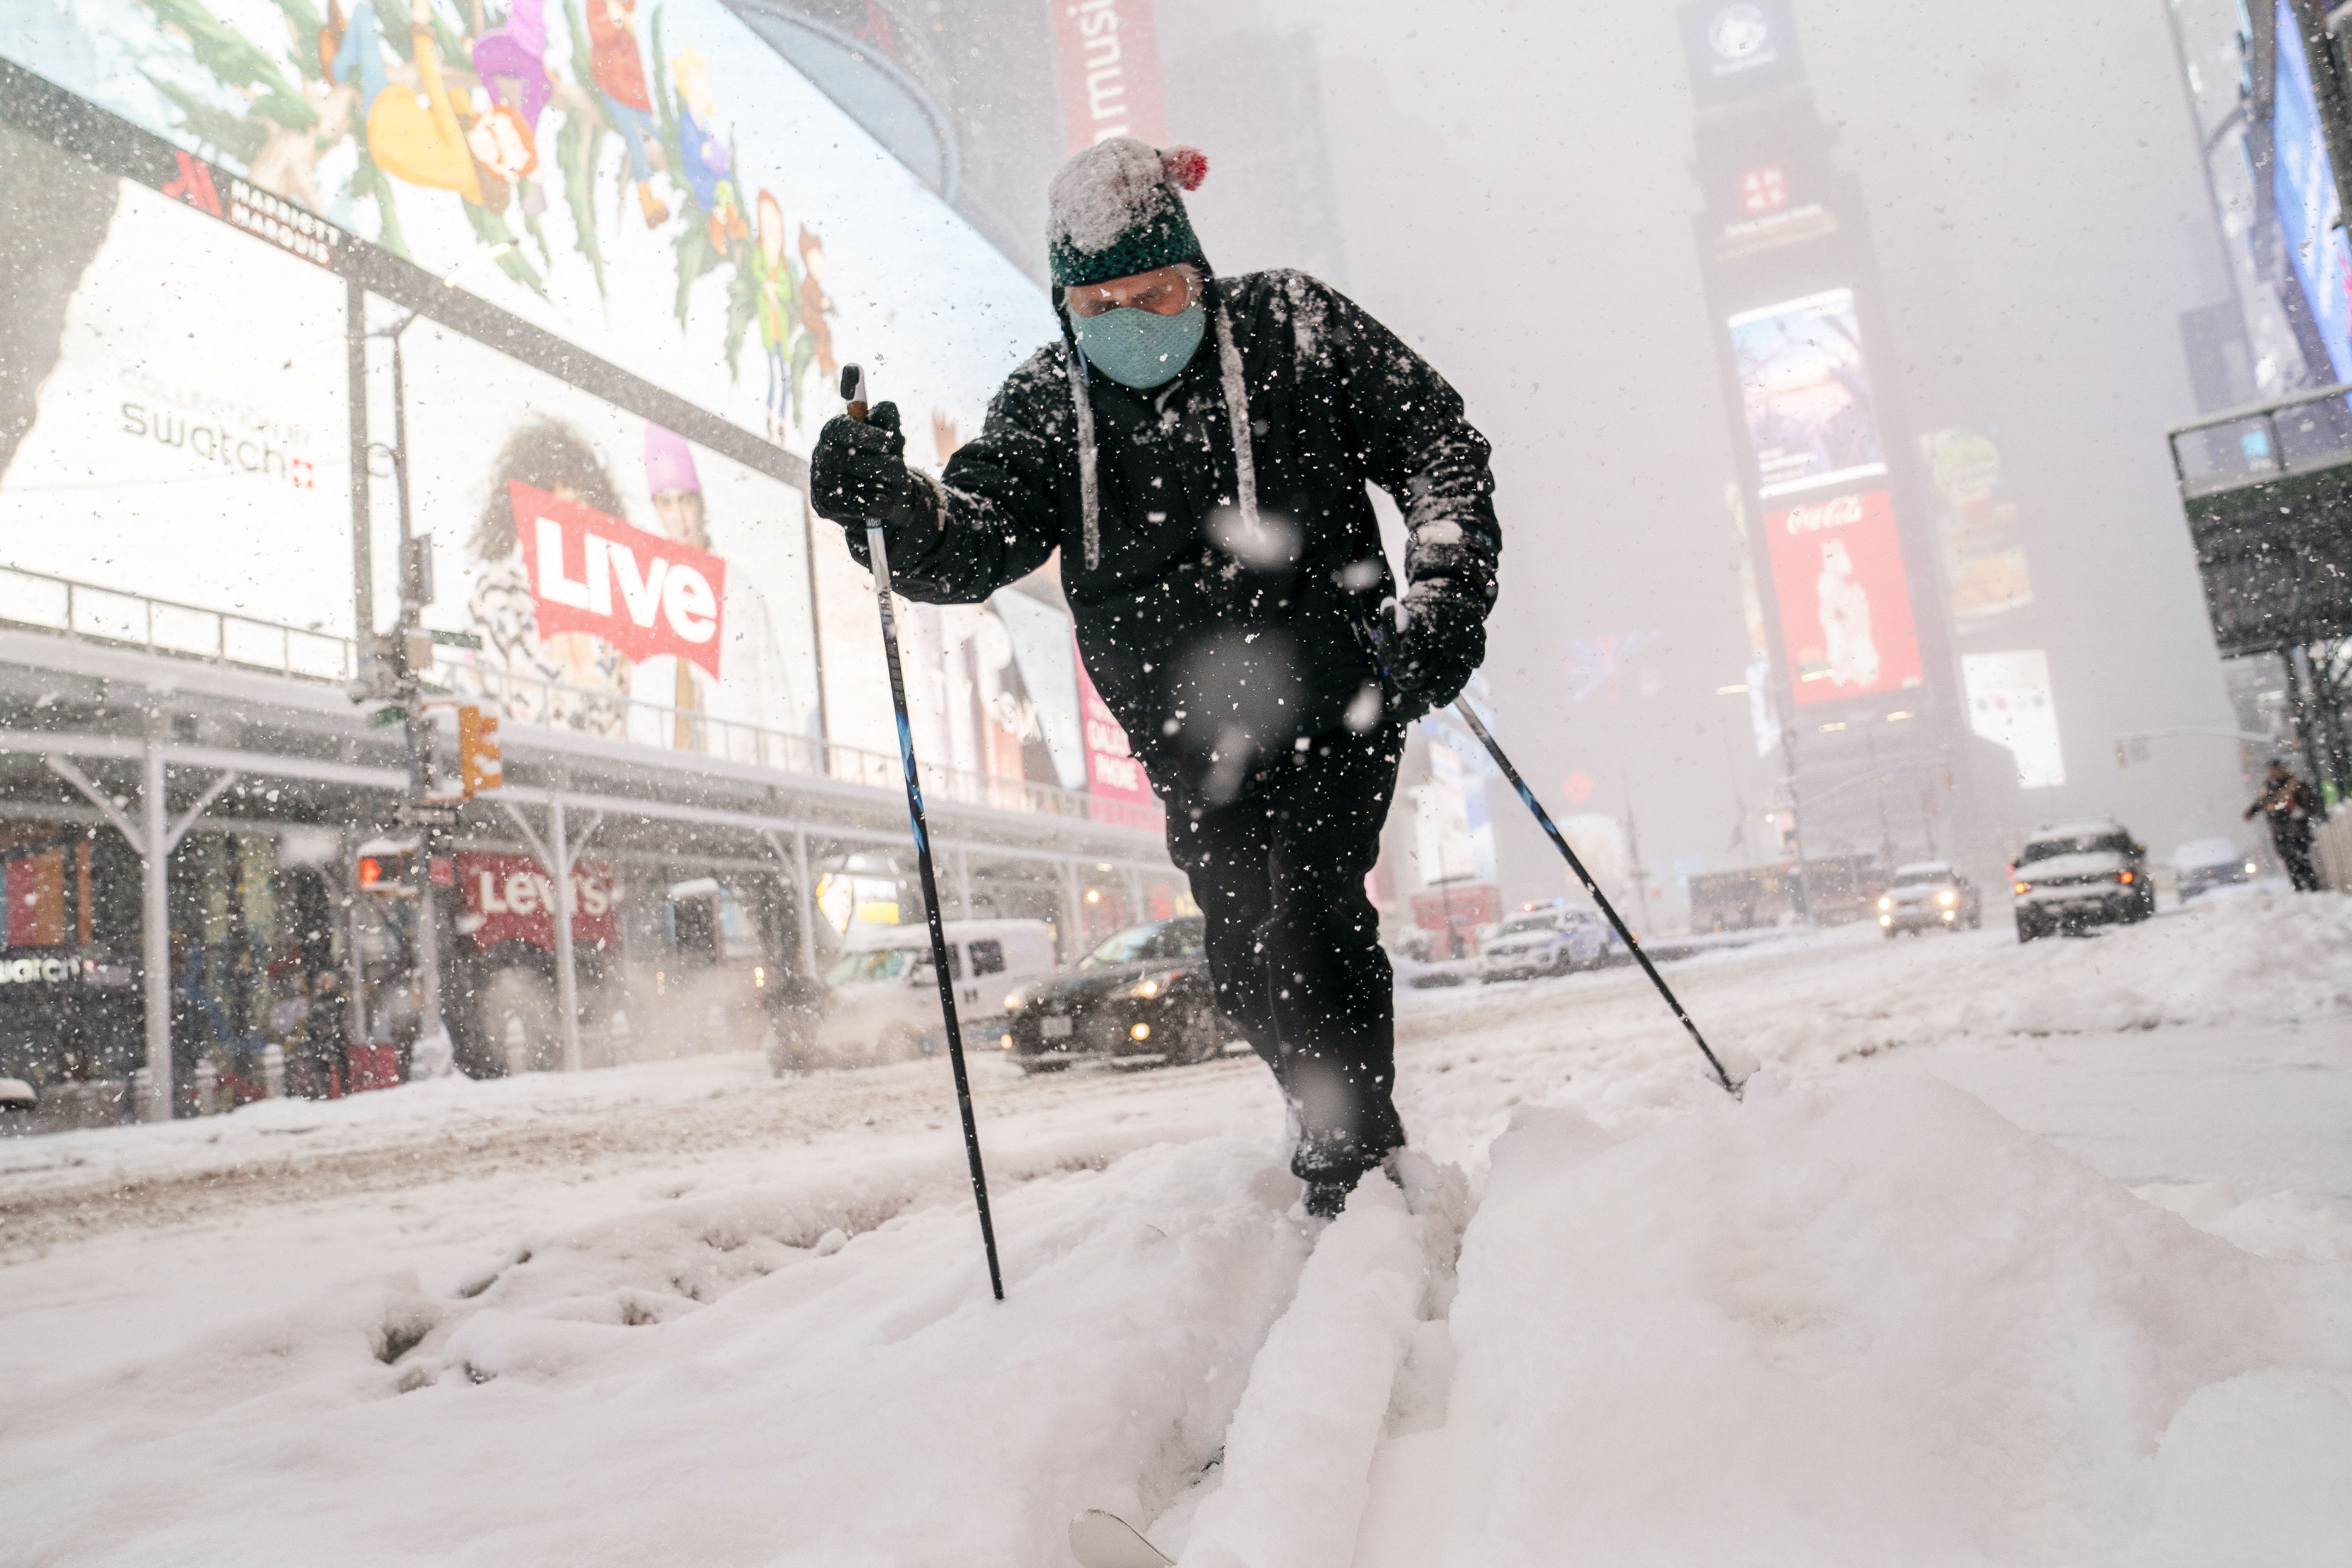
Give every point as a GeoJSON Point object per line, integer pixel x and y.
{"type": "Point", "coordinates": [1114, 211]}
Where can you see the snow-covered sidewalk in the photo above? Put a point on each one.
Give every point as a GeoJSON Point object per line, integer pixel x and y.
{"type": "Point", "coordinates": [689, 1313]}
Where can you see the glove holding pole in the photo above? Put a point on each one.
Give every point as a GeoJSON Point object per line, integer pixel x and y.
{"type": "Point", "coordinates": [858, 459]}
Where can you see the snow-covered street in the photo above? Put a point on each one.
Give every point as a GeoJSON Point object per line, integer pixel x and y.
{"type": "Point", "coordinates": [1919, 1298]}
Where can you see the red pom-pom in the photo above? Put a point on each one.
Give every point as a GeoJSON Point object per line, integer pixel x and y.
{"type": "Point", "coordinates": [1186, 167]}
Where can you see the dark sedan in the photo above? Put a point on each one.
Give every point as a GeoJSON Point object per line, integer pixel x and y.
{"type": "Point", "coordinates": [1143, 993]}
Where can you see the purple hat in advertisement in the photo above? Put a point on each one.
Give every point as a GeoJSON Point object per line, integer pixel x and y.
{"type": "Point", "coordinates": [669, 462]}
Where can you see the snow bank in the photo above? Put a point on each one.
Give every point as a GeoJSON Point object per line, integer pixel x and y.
{"type": "Point", "coordinates": [2274, 958]}
{"type": "Point", "coordinates": [719, 1380]}
{"type": "Point", "coordinates": [1871, 1323]}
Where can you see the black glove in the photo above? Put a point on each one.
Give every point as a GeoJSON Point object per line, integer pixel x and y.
{"type": "Point", "coordinates": [1442, 644]}
{"type": "Point", "coordinates": [858, 473]}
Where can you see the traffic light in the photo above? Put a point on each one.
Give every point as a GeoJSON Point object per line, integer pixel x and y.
{"type": "Point", "coordinates": [382, 868]}
{"type": "Point", "coordinates": [478, 763]}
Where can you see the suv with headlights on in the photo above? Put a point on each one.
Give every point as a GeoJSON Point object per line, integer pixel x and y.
{"type": "Point", "coordinates": [1928, 895]}
{"type": "Point", "coordinates": [2074, 875]}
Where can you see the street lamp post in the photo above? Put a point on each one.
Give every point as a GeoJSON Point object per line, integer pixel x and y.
{"type": "Point", "coordinates": [411, 659]}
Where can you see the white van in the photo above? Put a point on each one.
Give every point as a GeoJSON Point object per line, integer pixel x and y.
{"type": "Point", "coordinates": [883, 1001]}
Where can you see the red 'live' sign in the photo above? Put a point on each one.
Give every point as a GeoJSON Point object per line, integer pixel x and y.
{"type": "Point", "coordinates": [645, 594]}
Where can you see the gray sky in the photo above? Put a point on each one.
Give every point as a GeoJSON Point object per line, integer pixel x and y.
{"type": "Point", "coordinates": [1516, 189]}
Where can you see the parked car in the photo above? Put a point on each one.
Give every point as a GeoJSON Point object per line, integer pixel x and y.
{"type": "Point", "coordinates": [1145, 992]}
{"type": "Point", "coordinates": [2204, 864]}
{"type": "Point", "coordinates": [1551, 939]}
{"type": "Point", "coordinates": [2074, 875]}
{"type": "Point", "coordinates": [1928, 895]}
{"type": "Point", "coordinates": [883, 995]}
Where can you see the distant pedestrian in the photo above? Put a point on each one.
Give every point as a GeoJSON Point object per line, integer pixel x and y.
{"type": "Point", "coordinates": [2290, 805]}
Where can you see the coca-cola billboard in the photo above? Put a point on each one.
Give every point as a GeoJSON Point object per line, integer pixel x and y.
{"type": "Point", "coordinates": [1845, 607]}
{"type": "Point", "coordinates": [510, 898]}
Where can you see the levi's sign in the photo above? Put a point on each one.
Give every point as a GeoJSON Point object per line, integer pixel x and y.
{"type": "Point", "coordinates": [645, 594]}
{"type": "Point", "coordinates": [509, 897]}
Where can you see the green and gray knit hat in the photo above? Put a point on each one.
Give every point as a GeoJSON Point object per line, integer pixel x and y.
{"type": "Point", "coordinates": [1114, 211]}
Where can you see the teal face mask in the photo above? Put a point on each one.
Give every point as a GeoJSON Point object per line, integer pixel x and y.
{"type": "Point", "coordinates": [1138, 348]}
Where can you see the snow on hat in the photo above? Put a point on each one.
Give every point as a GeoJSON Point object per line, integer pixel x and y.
{"type": "Point", "coordinates": [669, 462]}
{"type": "Point", "coordinates": [1113, 211]}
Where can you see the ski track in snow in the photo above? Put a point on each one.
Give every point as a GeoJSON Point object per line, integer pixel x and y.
{"type": "Point", "coordinates": [685, 1312]}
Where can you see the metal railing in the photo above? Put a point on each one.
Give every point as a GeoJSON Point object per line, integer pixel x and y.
{"type": "Point", "coordinates": [117, 619]}
{"type": "Point", "coordinates": [2257, 444]}
{"type": "Point", "coordinates": [111, 617]}
{"type": "Point", "coordinates": [617, 715]}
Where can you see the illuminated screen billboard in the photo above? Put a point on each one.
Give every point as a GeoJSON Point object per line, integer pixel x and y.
{"type": "Point", "coordinates": [1845, 611]}
{"type": "Point", "coordinates": [1806, 394]}
{"type": "Point", "coordinates": [190, 441]}
{"type": "Point", "coordinates": [189, 444]}
{"type": "Point", "coordinates": [684, 204]}
{"type": "Point", "coordinates": [2303, 189]}
{"type": "Point", "coordinates": [1985, 564]}
{"type": "Point", "coordinates": [174, 453]}
{"type": "Point", "coordinates": [629, 582]}
{"type": "Point", "coordinates": [2011, 704]}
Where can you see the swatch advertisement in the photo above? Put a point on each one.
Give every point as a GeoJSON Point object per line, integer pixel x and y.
{"type": "Point", "coordinates": [1845, 613]}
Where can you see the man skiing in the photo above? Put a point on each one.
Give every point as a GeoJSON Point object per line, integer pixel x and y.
{"type": "Point", "coordinates": [2289, 805]}
{"type": "Point", "coordinates": [1197, 447]}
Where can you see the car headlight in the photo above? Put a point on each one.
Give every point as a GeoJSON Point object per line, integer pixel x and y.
{"type": "Point", "coordinates": [1152, 985]}
{"type": "Point", "coordinates": [2021, 888]}
{"type": "Point", "coordinates": [1947, 898]}
{"type": "Point", "coordinates": [1886, 901]}
{"type": "Point", "coordinates": [1015, 1000]}
{"type": "Point", "coordinates": [2249, 867]}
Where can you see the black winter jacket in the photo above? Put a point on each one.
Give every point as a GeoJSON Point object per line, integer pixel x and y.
{"type": "Point", "coordinates": [1208, 647]}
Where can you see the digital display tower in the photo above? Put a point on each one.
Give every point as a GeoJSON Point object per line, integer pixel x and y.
{"type": "Point", "coordinates": [1873, 730]}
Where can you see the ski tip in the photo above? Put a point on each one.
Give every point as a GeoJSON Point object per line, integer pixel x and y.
{"type": "Point", "coordinates": [1100, 1540]}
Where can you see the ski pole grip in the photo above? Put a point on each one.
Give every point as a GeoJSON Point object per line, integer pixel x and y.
{"type": "Point", "coordinates": [853, 388]}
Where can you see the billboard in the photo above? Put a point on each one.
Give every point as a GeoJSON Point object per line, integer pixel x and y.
{"type": "Point", "coordinates": [1985, 564]}
{"type": "Point", "coordinates": [621, 580]}
{"type": "Point", "coordinates": [1845, 611]}
{"type": "Point", "coordinates": [173, 451]}
{"type": "Point", "coordinates": [2303, 189]}
{"type": "Point", "coordinates": [191, 444]}
{"type": "Point", "coordinates": [632, 584]}
{"type": "Point", "coordinates": [1737, 47]}
{"type": "Point", "coordinates": [1110, 60]}
{"type": "Point", "coordinates": [682, 202]}
{"type": "Point", "coordinates": [1806, 394]}
{"type": "Point", "coordinates": [510, 898]}
{"type": "Point", "coordinates": [2011, 704]}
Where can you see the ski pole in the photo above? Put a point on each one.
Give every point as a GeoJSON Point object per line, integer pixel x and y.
{"type": "Point", "coordinates": [1543, 820]}
{"type": "Point", "coordinates": [853, 388]}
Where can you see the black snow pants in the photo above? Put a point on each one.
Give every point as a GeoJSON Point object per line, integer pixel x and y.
{"type": "Point", "coordinates": [1293, 941]}
{"type": "Point", "coordinates": [2295, 854]}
